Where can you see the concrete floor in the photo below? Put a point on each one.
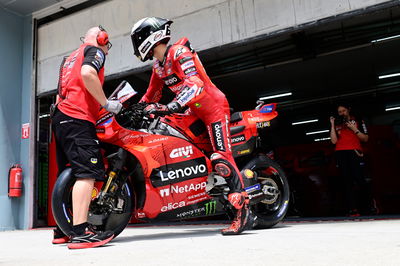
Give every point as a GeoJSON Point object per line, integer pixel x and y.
{"type": "Point", "coordinates": [290, 243]}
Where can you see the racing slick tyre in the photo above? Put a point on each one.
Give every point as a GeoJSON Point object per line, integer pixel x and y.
{"type": "Point", "coordinates": [272, 178]}
{"type": "Point", "coordinates": [113, 214]}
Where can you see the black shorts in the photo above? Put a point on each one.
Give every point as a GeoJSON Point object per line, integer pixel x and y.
{"type": "Point", "coordinates": [77, 145]}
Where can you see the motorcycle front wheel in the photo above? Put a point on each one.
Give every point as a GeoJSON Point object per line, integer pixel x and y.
{"type": "Point", "coordinates": [113, 214]}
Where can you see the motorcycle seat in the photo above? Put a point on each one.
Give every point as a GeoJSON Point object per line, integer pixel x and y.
{"type": "Point", "coordinates": [236, 130]}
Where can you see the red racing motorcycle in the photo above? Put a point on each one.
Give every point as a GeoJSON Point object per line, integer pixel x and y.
{"type": "Point", "coordinates": [158, 169]}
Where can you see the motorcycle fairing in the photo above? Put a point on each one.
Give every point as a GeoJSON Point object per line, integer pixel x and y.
{"type": "Point", "coordinates": [165, 160]}
{"type": "Point", "coordinates": [244, 141]}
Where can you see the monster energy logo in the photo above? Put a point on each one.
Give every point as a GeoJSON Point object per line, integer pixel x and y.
{"type": "Point", "coordinates": [211, 207]}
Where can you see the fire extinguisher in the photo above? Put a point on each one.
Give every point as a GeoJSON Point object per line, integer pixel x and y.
{"type": "Point", "coordinates": [15, 181]}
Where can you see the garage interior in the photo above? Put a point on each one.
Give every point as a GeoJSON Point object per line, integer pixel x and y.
{"type": "Point", "coordinates": [340, 59]}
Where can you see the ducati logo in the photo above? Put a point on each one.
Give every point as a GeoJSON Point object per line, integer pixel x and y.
{"type": "Point", "coordinates": [184, 152]}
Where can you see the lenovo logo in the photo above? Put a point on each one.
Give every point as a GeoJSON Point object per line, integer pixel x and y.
{"type": "Point", "coordinates": [237, 139]}
{"type": "Point", "coordinates": [185, 173]}
{"type": "Point", "coordinates": [178, 172]}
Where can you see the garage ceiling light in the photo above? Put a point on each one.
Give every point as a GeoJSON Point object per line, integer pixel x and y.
{"type": "Point", "coordinates": [317, 132]}
{"type": "Point", "coordinates": [322, 139]}
{"type": "Point", "coordinates": [276, 96]}
{"type": "Point", "coordinates": [386, 39]}
{"type": "Point", "coordinates": [304, 122]}
{"type": "Point", "coordinates": [392, 108]}
{"type": "Point", "coordinates": [389, 76]}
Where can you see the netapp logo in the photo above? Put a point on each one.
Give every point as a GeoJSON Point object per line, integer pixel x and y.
{"type": "Point", "coordinates": [184, 152]}
{"type": "Point", "coordinates": [182, 189]}
{"type": "Point", "coordinates": [178, 172]}
{"type": "Point", "coordinates": [218, 136]}
{"type": "Point", "coordinates": [238, 139]}
{"type": "Point", "coordinates": [171, 80]}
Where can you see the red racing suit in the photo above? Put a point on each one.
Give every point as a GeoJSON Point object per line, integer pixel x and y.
{"type": "Point", "coordinates": [182, 71]}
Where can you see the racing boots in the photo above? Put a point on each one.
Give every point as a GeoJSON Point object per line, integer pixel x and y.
{"type": "Point", "coordinates": [90, 239]}
{"type": "Point", "coordinates": [241, 204]}
{"type": "Point", "coordinates": [59, 237]}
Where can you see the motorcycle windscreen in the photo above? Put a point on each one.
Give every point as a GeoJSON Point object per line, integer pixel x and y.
{"type": "Point", "coordinates": [123, 92]}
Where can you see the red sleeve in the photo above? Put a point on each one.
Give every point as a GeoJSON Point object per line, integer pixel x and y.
{"type": "Point", "coordinates": [154, 91]}
{"type": "Point", "coordinates": [187, 67]}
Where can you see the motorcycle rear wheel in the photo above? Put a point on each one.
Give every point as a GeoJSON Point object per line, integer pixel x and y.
{"type": "Point", "coordinates": [272, 210]}
{"type": "Point", "coordinates": [115, 221]}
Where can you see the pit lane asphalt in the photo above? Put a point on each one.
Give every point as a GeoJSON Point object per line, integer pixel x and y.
{"type": "Point", "coordinates": [371, 242]}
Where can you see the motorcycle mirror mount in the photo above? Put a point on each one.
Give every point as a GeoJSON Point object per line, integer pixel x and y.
{"type": "Point", "coordinates": [259, 104]}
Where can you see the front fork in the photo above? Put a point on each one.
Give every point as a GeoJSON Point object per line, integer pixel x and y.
{"type": "Point", "coordinates": [117, 160]}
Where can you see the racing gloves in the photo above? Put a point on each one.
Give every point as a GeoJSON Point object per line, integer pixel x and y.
{"type": "Point", "coordinates": [162, 109]}
{"type": "Point", "coordinates": [113, 106]}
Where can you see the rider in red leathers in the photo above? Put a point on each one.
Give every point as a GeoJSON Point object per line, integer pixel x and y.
{"type": "Point", "coordinates": [178, 67]}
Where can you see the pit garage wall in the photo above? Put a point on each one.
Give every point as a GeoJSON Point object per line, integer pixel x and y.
{"type": "Point", "coordinates": [207, 23]}
{"type": "Point", "coordinates": [15, 109]}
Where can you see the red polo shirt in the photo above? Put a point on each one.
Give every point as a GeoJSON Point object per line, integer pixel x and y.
{"type": "Point", "coordinates": [75, 99]}
{"type": "Point", "coordinates": [347, 139]}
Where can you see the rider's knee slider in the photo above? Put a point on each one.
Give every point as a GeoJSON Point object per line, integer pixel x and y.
{"type": "Point", "coordinates": [221, 165]}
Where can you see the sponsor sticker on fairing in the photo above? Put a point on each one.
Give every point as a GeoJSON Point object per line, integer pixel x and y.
{"type": "Point", "coordinates": [191, 213]}
{"type": "Point", "coordinates": [184, 152]}
{"type": "Point", "coordinates": [185, 173]}
{"type": "Point", "coordinates": [173, 206]}
{"type": "Point", "coordinates": [263, 124]}
{"type": "Point", "coordinates": [178, 172]}
{"type": "Point", "coordinates": [267, 109]}
{"type": "Point", "coordinates": [238, 139]}
{"type": "Point", "coordinates": [182, 189]}
{"type": "Point", "coordinates": [157, 140]}
{"type": "Point", "coordinates": [197, 195]}
{"type": "Point", "coordinates": [211, 207]}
